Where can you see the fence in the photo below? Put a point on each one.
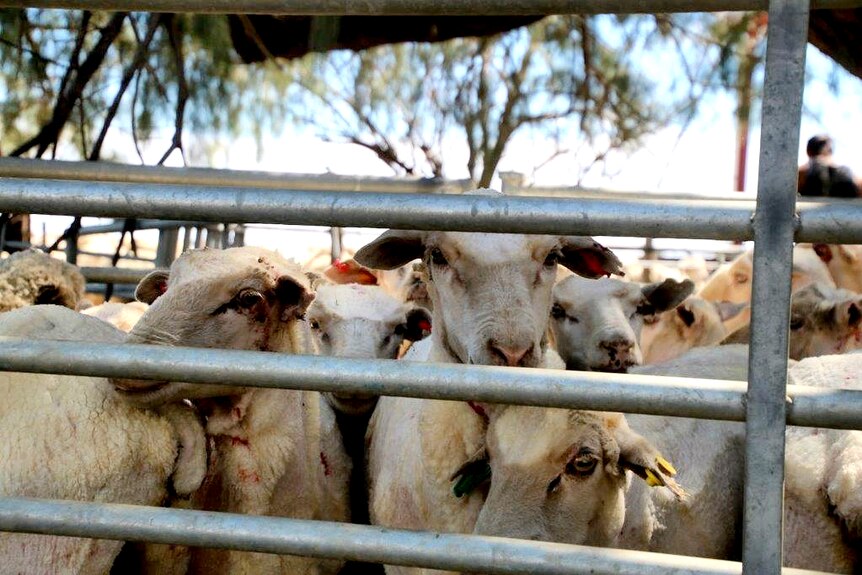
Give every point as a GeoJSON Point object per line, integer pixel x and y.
{"type": "Point", "coordinates": [773, 223]}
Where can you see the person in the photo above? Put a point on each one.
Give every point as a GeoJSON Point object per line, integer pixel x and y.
{"type": "Point", "coordinates": [821, 176]}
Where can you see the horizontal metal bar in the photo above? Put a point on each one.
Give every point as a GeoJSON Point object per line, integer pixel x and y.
{"type": "Point", "coordinates": [672, 219]}
{"type": "Point", "coordinates": [114, 275]}
{"type": "Point", "coordinates": [417, 7]}
{"type": "Point", "coordinates": [210, 177]}
{"type": "Point", "coordinates": [116, 227]}
{"type": "Point", "coordinates": [833, 221]}
{"type": "Point", "coordinates": [675, 396]}
{"type": "Point", "coordinates": [324, 539]}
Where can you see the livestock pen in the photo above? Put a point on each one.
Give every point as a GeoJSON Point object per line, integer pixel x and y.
{"type": "Point", "coordinates": [766, 405]}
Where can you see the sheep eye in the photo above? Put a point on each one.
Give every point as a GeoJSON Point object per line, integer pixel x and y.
{"type": "Point", "coordinates": [249, 298]}
{"type": "Point", "coordinates": [386, 341]}
{"type": "Point", "coordinates": [740, 278]}
{"type": "Point", "coordinates": [557, 311]}
{"type": "Point", "coordinates": [437, 257]}
{"type": "Point", "coordinates": [315, 324]}
{"type": "Point", "coordinates": [796, 323]}
{"type": "Point", "coordinates": [582, 465]}
{"type": "Point", "coordinates": [554, 484]}
{"type": "Point", "coordinates": [552, 260]}
{"type": "Point", "coordinates": [400, 329]}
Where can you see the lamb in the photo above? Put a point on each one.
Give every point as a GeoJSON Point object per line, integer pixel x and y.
{"type": "Point", "coordinates": [71, 437]}
{"type": "Point", "coordinates": [597, 323]}
{"type": "Point", "coordinates": [363, 321]}
{"type": "Point", "coordinates": [33, 278]}
{"type": "Point", "coordinates": [403, 283]}
{"type": "Point", "coordinates": [559, 475]}
{"type": "Point", "coordinates": [732, 282]}
{"type": "Point", "coordinates": [275, 452]}
{"type": "Point", "coordinates": [492, 297]}
{"type": "Point", "coordinates": [695, 322]}
{"type": "Point", "coordinates": [123, 316]}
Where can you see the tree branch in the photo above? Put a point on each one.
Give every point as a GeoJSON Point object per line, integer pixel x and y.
{"type": "Point", "coordinates": [76, 80]}
{"type": "Point", "coordinates": [176, 40]}
{"type": "Point", "coordinates": [140, 55]}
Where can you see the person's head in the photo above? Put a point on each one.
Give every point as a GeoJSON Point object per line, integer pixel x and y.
{"type": "Point", "coordinates": [819, 145]}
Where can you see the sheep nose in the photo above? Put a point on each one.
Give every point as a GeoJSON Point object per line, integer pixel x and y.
{"type": "Point", "coordinates": [513, 356]}
{"type": "Point", "coordinates": [617, 345]}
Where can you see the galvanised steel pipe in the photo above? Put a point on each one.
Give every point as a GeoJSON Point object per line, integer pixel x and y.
{"type": "Point", "coordinates": [830, 220]}
{"type": "Point", "coordinates": [657, 395]}
{"type": "Point", "coordinates": [671, 219]}
{"type": "Point", "coordinates": [327, 539]}
{"type": "Point", "coordinates": [713, 399]}
{"type": "Point", "coordinates": [209, 177]}
{"type": "Point", "coordinates": [766, 410]}
{"type": "Point", "coordinates": [416, 7]}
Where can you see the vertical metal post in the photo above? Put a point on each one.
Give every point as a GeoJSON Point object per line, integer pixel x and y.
{"type": "Point", "coordinates": [167, 249]}
{"type": "Point", "coordinates": [337, 237]}
{"type": "Point", "coordinates": [72, 241]}
{"type": "Point", "coordinates": [774, 223]}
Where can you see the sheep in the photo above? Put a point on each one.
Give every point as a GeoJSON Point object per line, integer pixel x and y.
{"type": "Point", "coordinates": [597, 323]}
{"type": "Point", "coordinates": [71, 437]}
{"type": "Point", "coordinates": [732, 282]}
{"type": "Point", "coordinates": [710, 455]}
{"type": "Point", "coordinates": [823, 321]}
{"type": "Point", "coordinates": [491, 295]}
{"type": "Point", "coordinates": [123, 316]}
{"type": "Point", "coordinates": [403, 283]}
{"type": "Point", "coordinates": [32, 278]}
{"type": "Point", "coordinates": [559, 475]}
{"type": "Point", "coordinates": [275, 452]}
{"type": "Point", "coordinates": [354, 320]}
{"type": "Point", "coordinates": [695, 322]}
{"type": "Point", "coordinates": [844, 263]}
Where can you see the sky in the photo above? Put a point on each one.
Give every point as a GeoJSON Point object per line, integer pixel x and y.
{"type": "Point", "coordinates": [700, 160]}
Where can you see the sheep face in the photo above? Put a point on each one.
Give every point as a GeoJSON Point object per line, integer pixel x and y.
{"type": "Point", "coordinates": [597, 323]}
{"type": "Point", "coordinates": [559, 475]}
{"type": "Point", "coordinates": [824, 321]}
{"type": "Point", "coordinates": [241, 298]}
{"type": "Point", "coordinates": [362, 321]}
{"type": "Point", "coordinates": [695, 322]}
{"type": "Point", "coordinates": [491, 293]}
{"type": "Point", "coordinates": [844, 263]}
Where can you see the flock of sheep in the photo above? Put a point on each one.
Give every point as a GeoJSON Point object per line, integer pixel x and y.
{"type": "Point", "coordinates": [469, 467]}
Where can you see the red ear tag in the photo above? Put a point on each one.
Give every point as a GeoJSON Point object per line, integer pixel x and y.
{"type": "Point", "coordinates": [341, 266]}
{"type": "Point", "coordinates": [162, 287]}
{"type": "Point", "coordinates": [424, 325]}
{"type": "Point", "coordinates": [824, 252]}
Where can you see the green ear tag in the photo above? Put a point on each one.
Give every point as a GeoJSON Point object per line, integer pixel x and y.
{"type": "Point", "coordinates": [471, 477]}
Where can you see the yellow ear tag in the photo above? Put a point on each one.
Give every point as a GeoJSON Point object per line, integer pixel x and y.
{"type": "Point", "coordinates": [652, 480]}
{"type": "Point", "coordinates": [665, 466]}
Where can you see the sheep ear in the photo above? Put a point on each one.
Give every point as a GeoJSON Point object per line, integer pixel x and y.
{"type": "Point", "coordinates": [640, 456]}
{"type": "Point", "coordinates": [350, 272]}
{"type": "Point", "coordinates": [152, 286]}
{"type": "Point", "coordinates": [295, 296]}
{"type": "Point", "coordinates": [392, 249]}
{"type": "Point", "coordinates": [665, 295]}
{"type": "Point", "coordinates": [588, 258]}
{"type": "Point", "coordinates": [418, 324]}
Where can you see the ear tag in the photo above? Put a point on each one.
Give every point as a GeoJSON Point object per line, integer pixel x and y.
{"type": "Point", "coordinates": [424, 325]}
{"type": "Point", "coordinates": [341, 266]}
{"type": "Point", "coordinates": [471, 476]}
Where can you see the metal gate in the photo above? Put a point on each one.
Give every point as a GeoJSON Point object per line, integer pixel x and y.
{"type": "Point", "coordinates": [773, 222]}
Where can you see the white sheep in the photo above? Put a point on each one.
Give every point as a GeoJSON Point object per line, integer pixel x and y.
{"type": "Point", "coordinates": [123, 316]}
{"type": "Point", "coordinates": [32, 278]}
{"type": "Point", "coordinates": [823, 321]}
{"type": "Point", "coordinates": [844, 263]}
{"type": "Point", "coordinates": [695, 322]}
{"type": "Point", "coordinates": [275, 452]}
{"type": "Point", "coordinates": [559, 475]}
{"type": "Point", "coordinates": [821, 473]}
{"type": "Point", "coordinates": [362, 321]}
{"type": "Point", "coordinates": [71, 437]}
{"type": "Point", "coordinates": [732, 282]}
{"type": "Point", "coordinates": [597, 323]}
{"type": "Point", "coordinates": [492, 297]}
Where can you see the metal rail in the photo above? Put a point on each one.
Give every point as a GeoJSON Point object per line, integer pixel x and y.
{"type": "Point", "coordinates": [210, 177]}
{"type": "Point", "coordinates": [342, 540]}
{"type": "Point", "coordinates": [417, 7]}
{"type": "Point", "coordinates": [631, 393]}
{"type": "Point", "coordinates": [114, 275]}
